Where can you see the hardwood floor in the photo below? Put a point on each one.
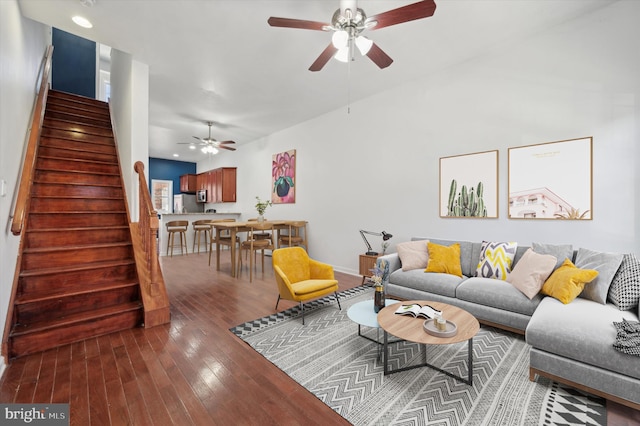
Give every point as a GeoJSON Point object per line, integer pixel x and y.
{"type": "Point", "coordinates": [190, 372]}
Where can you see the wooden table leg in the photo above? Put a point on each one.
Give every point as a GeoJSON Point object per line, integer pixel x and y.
{"type": "Point", "coordinates": [218, 232]}
{"type": "Point", "coordinates": [233, 252]}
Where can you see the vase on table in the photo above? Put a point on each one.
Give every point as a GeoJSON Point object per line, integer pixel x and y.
{"type": "Point", "coordinates": [378, 298]}
{"type": "Point", "coordinates": [260, 218]}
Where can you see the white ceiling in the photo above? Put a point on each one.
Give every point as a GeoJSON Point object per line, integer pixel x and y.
{"type": "Point", "coordinates": [219, 60]}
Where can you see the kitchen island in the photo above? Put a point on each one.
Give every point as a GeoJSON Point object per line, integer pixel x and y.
{"type": "Point", "coordinates": [190, 217]}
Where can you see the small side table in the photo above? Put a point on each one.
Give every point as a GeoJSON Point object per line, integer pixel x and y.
{"type": "Point", "coordinates": [362, 313]}
{"type": "Point", "coordinates": [367, 263]}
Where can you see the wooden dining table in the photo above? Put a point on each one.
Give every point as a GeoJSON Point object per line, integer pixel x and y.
{"type": "Point", "coordinates": [234, 228]}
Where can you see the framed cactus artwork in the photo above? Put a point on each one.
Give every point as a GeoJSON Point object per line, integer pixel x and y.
{"type": "Point", "coordinates": [551, 180]}
{"type": "Point", "coordinates": [469, 185]}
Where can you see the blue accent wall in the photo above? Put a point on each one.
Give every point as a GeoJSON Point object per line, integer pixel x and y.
{"type": "Point", "coordinates": [170, 170]}
{"type": "Point", "coordinates": [73, 66]}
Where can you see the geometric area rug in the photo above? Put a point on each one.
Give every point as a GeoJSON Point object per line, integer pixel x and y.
{"type": "Point", "coordinates": [329, 359]}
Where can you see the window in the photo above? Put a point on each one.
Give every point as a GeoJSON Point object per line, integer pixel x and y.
{"type": "Point", "coordinates": [162, 195]}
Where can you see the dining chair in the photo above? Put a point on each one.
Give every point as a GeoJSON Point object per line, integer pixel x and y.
{"type": "Point", "coordinates": [225, 237]}
{"type": "Point", "coordinates": [295, 235]}
{"type": "Point", "coordinates": [253, 244]}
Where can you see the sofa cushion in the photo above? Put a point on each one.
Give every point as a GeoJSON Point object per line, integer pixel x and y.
{"type": "Point", "coordinates": [560, 252]}
{"type": "Point", "coordinates": [583, 331]}
{"type": "Point", "coordinates": [496, 259]}
{"type": "Point", "coordinates": [468, 255]}
{"type": "Point", "coordinates": [531, 272]}
{"type": "Point", "coordinates": [606, 264]}
{"type": "Point", "coordinates": [624, 291]}
{"type": "Point", "coordinates": [443, 284]}
{"type": "Point", "coordinates": [496, 294]}
{"type": "Point", "coordinates": [567, 282]}
{"type": "Point", "coordinates": [413, 254]}
{"type": "Point", "coordinates": [444, 259]}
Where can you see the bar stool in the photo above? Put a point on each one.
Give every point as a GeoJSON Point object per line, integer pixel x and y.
{"type": "Point", "coordinates": [201, 227]}
{"type": "Point", "coordinates": [177, 227]}
{"type": "Point", "coordinates": [296, 235]}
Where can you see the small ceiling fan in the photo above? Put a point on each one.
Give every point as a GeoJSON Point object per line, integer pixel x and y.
{"type": "Point", "coordinates": [347, 24]}
{"type": "Point", "coordinates": [210, 145]}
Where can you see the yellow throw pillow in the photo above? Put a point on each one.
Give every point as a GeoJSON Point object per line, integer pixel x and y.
{"type": "Point", "coordinates": [568, 281]}
{"type": "Point", "coordinates": [444, 259]}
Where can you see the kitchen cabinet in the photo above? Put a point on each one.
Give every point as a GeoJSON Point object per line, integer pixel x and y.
{"type": "Point", "coordinates": [188, 183]}
{"type": "Point", "coordinates": [220, 184]}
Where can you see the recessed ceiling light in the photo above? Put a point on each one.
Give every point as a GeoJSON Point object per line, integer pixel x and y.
{"type": "Point", "coordinates": [83, 22]}
{"type": "Point", "coordinates": [176, 155]}
{"type": "Point", "coordinates": [192, 147]}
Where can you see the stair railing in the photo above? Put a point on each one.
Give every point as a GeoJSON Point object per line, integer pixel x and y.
{"type": "Point", "coordinates": [154, 293]}
{"type": "Point", "coordinates": [28, 165]}
{"type": "Point", "coordinates": [148, 225]}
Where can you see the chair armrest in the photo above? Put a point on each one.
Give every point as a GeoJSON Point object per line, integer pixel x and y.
{"type": "Point", "coordinates": [393, 260]}
{"type": "Point", "coordinates": [320, 271]}
{"type": "Point", "coordinates": [284, 285]}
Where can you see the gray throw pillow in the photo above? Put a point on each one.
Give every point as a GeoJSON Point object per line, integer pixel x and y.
{"type": "Point", "coordinates": [560, 252]}
{"type": "Point", "coordinates": [606, 264]}
{"type": "Point", "coordinates": [624, 292]}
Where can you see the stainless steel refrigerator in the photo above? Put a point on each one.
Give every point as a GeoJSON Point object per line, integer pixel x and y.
{"type": "Point", "coordinates": [186, 203]}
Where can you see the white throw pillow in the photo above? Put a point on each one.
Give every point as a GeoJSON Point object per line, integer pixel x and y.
{"type": "Point", "coordinates": [413, 254]}
{"type": "Point", "coordinates": [531, 271]}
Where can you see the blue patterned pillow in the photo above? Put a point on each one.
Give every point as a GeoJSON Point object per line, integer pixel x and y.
{"type": "Point", "coordinates": [496, 259]}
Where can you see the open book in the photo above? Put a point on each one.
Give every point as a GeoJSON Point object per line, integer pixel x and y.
{"type": "Point", "coordinates": [417, 310]}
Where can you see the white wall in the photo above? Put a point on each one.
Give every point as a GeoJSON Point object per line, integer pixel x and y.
{"type": "Point", "coordinates": [130, 111]}
{"type": "Point", "coordinates": [22, 47]}
{"type": "Point", "coordinates": [377, 167]}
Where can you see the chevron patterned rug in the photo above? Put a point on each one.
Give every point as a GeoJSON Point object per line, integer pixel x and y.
{"type": "Point", "coordinates": [328, 358]}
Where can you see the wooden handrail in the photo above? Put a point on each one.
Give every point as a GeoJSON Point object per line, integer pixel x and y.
{"type": "Point", "coordinates": [28, 165]}
{"type": "Point", "coordinates": [148, 225]}
{"type": "Point", "coordinates": [154, 293]}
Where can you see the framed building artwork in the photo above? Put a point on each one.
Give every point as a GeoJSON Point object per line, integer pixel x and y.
{"type": "Point", "coordinates": [551, 180]}
{"type": "Point", "coordinates": [469, 185]}
{"type": "Point", "coordinates": [283, 177]}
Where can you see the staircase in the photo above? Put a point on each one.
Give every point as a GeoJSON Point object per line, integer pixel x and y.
{"type": "Point", "coordinates": [77, 274]}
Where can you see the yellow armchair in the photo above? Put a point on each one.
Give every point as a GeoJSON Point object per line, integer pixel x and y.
{"type": "Point", "coordinates": [301, 278]}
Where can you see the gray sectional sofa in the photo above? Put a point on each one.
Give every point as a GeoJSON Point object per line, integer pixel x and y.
{"type": "Point", "coordinates": [571, 343]}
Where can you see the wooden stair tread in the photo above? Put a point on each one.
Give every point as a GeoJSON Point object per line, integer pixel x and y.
{"type": "Point", "coordinates": [76, 247]}
{"type": "Point", "coordinates": [74, 291]}
{"type": "Point", "coordinates": [76, 171]}
{"type": "Point", "coordinates": [105, 185]}
{"type": "Point", "coordinates": [23, 329]}
{"type": "Point", "coordinates": [78, 228]}
{"type": "Point", "coordinates": [73, 268]}
{"type": "Point", "coordinates": [78, 160]}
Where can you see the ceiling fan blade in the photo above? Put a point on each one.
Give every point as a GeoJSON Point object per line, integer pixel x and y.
{"type": "Point", "coordinates": [226, 142]}
{"type": "Point", "coordinates": [297, 23]}
{"type": "Point", "coordinates": [324, 57]}
{"type": "Point", "coordinates": [411, 12]}
{"type": "Point", "coordinates": [378, 56]}
{"type": "Point", "coordinates": [186, 143]}
{"type": "Point", "coordinates": [230, 148]}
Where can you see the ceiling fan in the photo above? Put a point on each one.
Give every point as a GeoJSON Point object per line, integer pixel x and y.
{"type": "Point", "coordinates": [210, 145]}
{"type": "Point", "coordinates": [347, 24]}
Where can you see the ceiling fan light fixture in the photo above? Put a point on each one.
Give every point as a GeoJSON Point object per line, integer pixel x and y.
{"type": "Point", "coordinates": [364, 44]}
{"type": "Point", "coordinates": [209, 150]}
{"type": "Point", "coordinates": [340, 39]}
{"type": "Point", "coordinates": [343, 54]}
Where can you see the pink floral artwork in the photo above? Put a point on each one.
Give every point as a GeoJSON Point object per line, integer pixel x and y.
{"type": "Point", "coordinates": [283, 177]}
